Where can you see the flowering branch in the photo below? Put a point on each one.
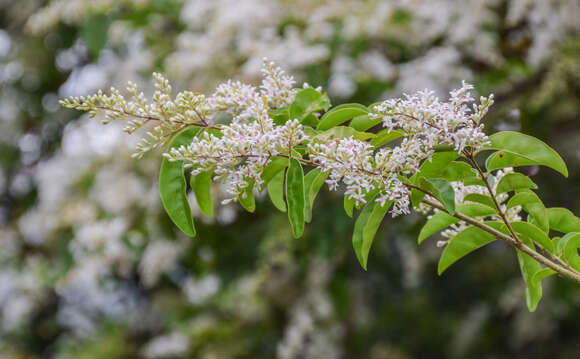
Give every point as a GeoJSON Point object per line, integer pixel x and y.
{"type": "Point", "coordinates": [276, 129]}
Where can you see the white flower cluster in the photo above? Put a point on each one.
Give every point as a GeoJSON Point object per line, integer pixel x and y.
{"type": "Point", "coordinates": [353, 162]}
{"type": "Point", "coordinates": [426, 121]}
{"type": "Point", "coordinates": [239, 156]}
{"type": "Point", "coordinates": [423, 115]}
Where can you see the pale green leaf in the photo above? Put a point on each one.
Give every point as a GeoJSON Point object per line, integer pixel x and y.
{"type": "Point", "coordinates": [276, 191]}
{"type": "Point", "coordinates": [201, 185]}
{"type": "Point", "coordinates": [529, 268]}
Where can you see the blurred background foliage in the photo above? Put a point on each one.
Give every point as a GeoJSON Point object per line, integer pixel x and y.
{"type": "Point", "coordinates": [91, 267]}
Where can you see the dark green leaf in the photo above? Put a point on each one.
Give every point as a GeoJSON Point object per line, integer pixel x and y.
{"type": "Point", "coordinates": [295, 197]}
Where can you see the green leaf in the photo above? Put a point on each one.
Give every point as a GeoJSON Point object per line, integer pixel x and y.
{"type": "Point", "coordinates": [313, 181]}
{"type": "Point", "coordinates": [201, 185]}
{"type": "Point", "coordinates": [529, 268]}
{"type": "Point", "coordinates": [172, 185]}
{"type": "Point", "coordinates": [514, 181]}
{"type": "Point", "coordinates": [503, 159]}
{"type": "Point", "coordinates": [465, 242]}
{"type": "Point", "coordinates": [569, 245]}
{"type": "Point", "coordinates": [480, 198]}
{"type": "Point", "coordinates": [295, 196]}
{"type": "Point", "coordinates": [542, 274]}
{"type": "Point", "coordinates": [348, 204]}
{"type": "Point", "coordinates": [276, 165]}
{"type": "Point", "coordinates": [475, 209]}
{"type": "Point", "coordinates": [94, 33]}
{"type": "Point", "coordinates": [438, 222]}
{"type": "Point", "coordinates": [534, 233]}
{"type": "Point", "coordinates": [341, 114]}
{"type": "Point", "coordinates": [533, 206]}
{"type": "Point", "coordinates": [562, 220]}
{"type": "Point", "coordinates": [247, 199]}
{"type": "Point", "coordinates": [366, 227]}
{"type": "Point", "coordinates": [386, 136]}
{"type": "Point", "coordinates": [306, 102]}
{"type": "Point", "coordinates": [430, 169]}
{"type": "Point", "coordinates": [280, 116]}
{"type": "Point", "coordinates": [527, 147]}
{"type": "Point", "coordinates": [344, 132]}
{"type": "Point", "coordinates": [474, 182]}
{"type": "Point", "coordinates": [442, 190]}
{"type": "Point", "coordinates": [458, 171]}
{"type": "Point", "coordinates": [276, 191]}
{"type": "Point", "coordinates": [363, 122]}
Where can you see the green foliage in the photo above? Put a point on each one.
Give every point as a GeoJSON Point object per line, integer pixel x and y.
{"type": "Point", "coordinates": [94, 33]}
{"type": "Point", "coordinates": [276, 191]}
{"type": "Point", "coordinates": [514, 181]}
{"type": "Point", "coordinates": [365, 228]}
{"type": "Point", "coordinates": [313, 182]}
{"type": "Point", "coordinates": [340, 114]}
{"type": "Point", "coordinates": [529, 268]}
{"type": "Point", "coordinates": [306, 102]}
{"type": "Point", "coordinates": [295, 197]}
{"type": "Point", "coordinates": [517, 149]}
{"type": "Point", "coordinates": [562, 220]}
{"type": "Point", "coordinates": [385, 136]}
{"type": "Point", "coordinates": [442, 191]}
{"type": "Point", "coordinates": [201, 186]}
{"type": "Point", "coordinates": [465, 242]}
{"type": "Point", "coordinates": [247, 199]}
{"type": "Point", "coordinates": [173, 187]}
